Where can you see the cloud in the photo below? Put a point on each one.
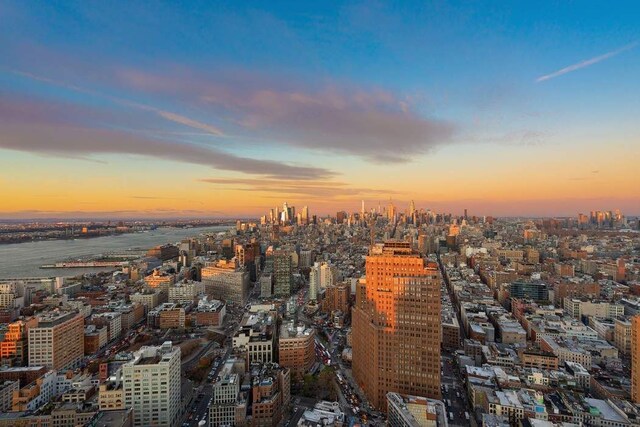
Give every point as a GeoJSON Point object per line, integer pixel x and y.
{"type": "Point", "coordinates": [52, 129]}
{"type": "Point", "coordinates": [189, 122]}
{"type": "Point", "coordinates": [322, 190]}
{"type": "Point", "coordinates": [329, 117]}
{"type": "Point", "coordinates": [370, 123]}
{"type": "Point", "coordinates": [585, 63]}
{"type": "Point", "coordinates": [66, 141]}
{"type": "Point", "coordinates": [122, 214]}
{"type": "Point", "coordinates": [156, 198]}
{"type": "Point", "coordinates": [167, 115]}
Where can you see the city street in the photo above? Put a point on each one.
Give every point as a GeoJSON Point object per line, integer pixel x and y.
{"type": "Point", "coordinates": [453, 393]}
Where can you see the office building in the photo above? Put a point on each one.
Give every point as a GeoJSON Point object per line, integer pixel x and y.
{"type": "Point", "coordinates": [58, 340]}
{"type": "Point", "coordinates": [160, 279]}
{"type": "Point", "coordinates": [323, 275]}
{"type": "Point", "coordinates": [222, 411]}
{"type": "Point", "coordinates": [635, 359]}
{"type": "Point", "coordinates": [164, 252]}
{"type": "Point", "coordinates": [225, 280]}
{"type": "Point", "coordinates": [7, 388]}
{"type": "Point", "coordinates": [396, 325]}
{"type": "Point", "coordinates": [257, 336]}
{"type": "Point", "coordinates": [579, 307]}
{"type": "Point", "coordinates": [336, 298]}
{"type": "Point", "coordinates": [271, 394]}
{"type": "Point", "coordinates": [296, 348]}
{"type": "Point", "coordinates": [13, 347]}
{"type": "Point", "coordinates": [622, 336]}
{"type": "Point", "coordinates": [166, 316]}
{"type": "Point", "coordinates": [530, 290]}
{"type": "Point", "coordinates": [282, 273]}
{"type": "Point", "coordinates": [151, 385]}
{"type": "Point", "coordinates": [185, 292]}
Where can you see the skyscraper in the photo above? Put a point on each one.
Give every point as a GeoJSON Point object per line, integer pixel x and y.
{"type": "Point", "coordinates": [396, 325]}
{"type": "Point", "coordinates": [391, 212]}
{"type": "Point", "coordinates": [635, 359]}
{"type": "Point", "coordinates": [321, 276]}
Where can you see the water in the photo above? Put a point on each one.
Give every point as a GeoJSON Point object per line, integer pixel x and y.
{"type": "Point", "coordinates": [25, 259]}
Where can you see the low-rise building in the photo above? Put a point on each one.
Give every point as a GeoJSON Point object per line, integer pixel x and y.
{"type": "Point", "coordinates": [414, 411]}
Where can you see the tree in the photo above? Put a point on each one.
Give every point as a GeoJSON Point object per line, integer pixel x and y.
{"type": "Point", "coordinates": [326, 384]}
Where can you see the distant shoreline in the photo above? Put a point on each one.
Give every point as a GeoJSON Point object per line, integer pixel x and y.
{"type": "Point", "coordinates": [74, 231]}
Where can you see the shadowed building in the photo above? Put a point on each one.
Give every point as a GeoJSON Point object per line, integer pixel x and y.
{"type": "Point", "coordinates": [396, 325]}
{"type": "Point", "coordinates": [635, 359]}
{"type": "Point", "coordinates": [282, 273]}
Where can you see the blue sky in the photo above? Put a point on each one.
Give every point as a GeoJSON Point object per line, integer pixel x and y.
{"type": "Point", "coordinates": [324, 91]}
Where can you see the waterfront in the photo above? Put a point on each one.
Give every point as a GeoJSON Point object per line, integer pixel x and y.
{"type": "Point", "coordinates": [25, 259]}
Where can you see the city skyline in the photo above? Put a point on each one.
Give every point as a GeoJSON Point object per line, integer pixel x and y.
{"type": "Point", "coordinates": [199, 111]}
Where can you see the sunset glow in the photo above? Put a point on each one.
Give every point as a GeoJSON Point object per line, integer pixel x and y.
{"type": "Point", "coordinates": [161, 111]}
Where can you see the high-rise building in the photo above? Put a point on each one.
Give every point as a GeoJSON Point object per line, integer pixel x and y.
{"type": "Point", "coordinates": [151, 385]}
{"type": "Point", "coordinates": [635, 359]}
{"type": "Point", "coordinates": [396, 325]}
{"type": "Point", "coordinates": [296, 348]}
{"type": "Point", "coordinates": [58, 340]}
{"type": "Point", "coordinates": [622, 336]}
{"type": "Point", "coordinates": [282, 273]}
{"type": "Point", "coordinates": [391, 212]}
{"type": "Point", "coordinates": [270, 394]}
{"type": "Point", "coordinates": [314, 278]}
{"type": "Point", "coordinates": [222, 411]}
{"type": "Point", "coordinates": [324, 274]}
{"type": "Point", "coordinates": [336, 298]}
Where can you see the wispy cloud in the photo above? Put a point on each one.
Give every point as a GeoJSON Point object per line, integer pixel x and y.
{"type": "Point", "coordinates": [189, 122]}
{"type": "Point", "coordinates": [348, 118]}
{"type": "Point", "coordinates": [156, 198]}
{"type": "Point", "coordinates": [327, 116]}
{"type": "Point", "coordinates": [317, 190]}
{"type": "Point", "coordinates": [167, 115]}
{"type": "Point", "coordinates": [585, 63]}
{"type": "Point", "coordinates": [155, 213]}
{"type": "Point", "coordinates": [50, 128]}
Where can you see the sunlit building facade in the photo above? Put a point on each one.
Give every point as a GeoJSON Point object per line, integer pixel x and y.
{"type": "Point", "coordinates": [396, 325]}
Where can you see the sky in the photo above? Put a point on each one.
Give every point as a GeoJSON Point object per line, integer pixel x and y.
{"type": "Point", "coordinates": [223, 109]}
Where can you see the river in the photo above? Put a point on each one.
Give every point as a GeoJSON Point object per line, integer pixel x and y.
{"type": "Point", "coordinates": [25, 259]}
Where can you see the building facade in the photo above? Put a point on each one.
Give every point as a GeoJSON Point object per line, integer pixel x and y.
{"type": "Point", "coordinates": [282, 273]}
{"type": "Point", "coordinates": [58, 340]}
{"type": "Point", "coordinates": [296, 349]}
{"type": "Point", "coordinates": [226, 281]}
{"type": "Point", "coordinates": [396, 325]}
{"type": "Point", "coordinates": [151, 386]}
{"type": "Point", "coordinates": [635, 359]}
